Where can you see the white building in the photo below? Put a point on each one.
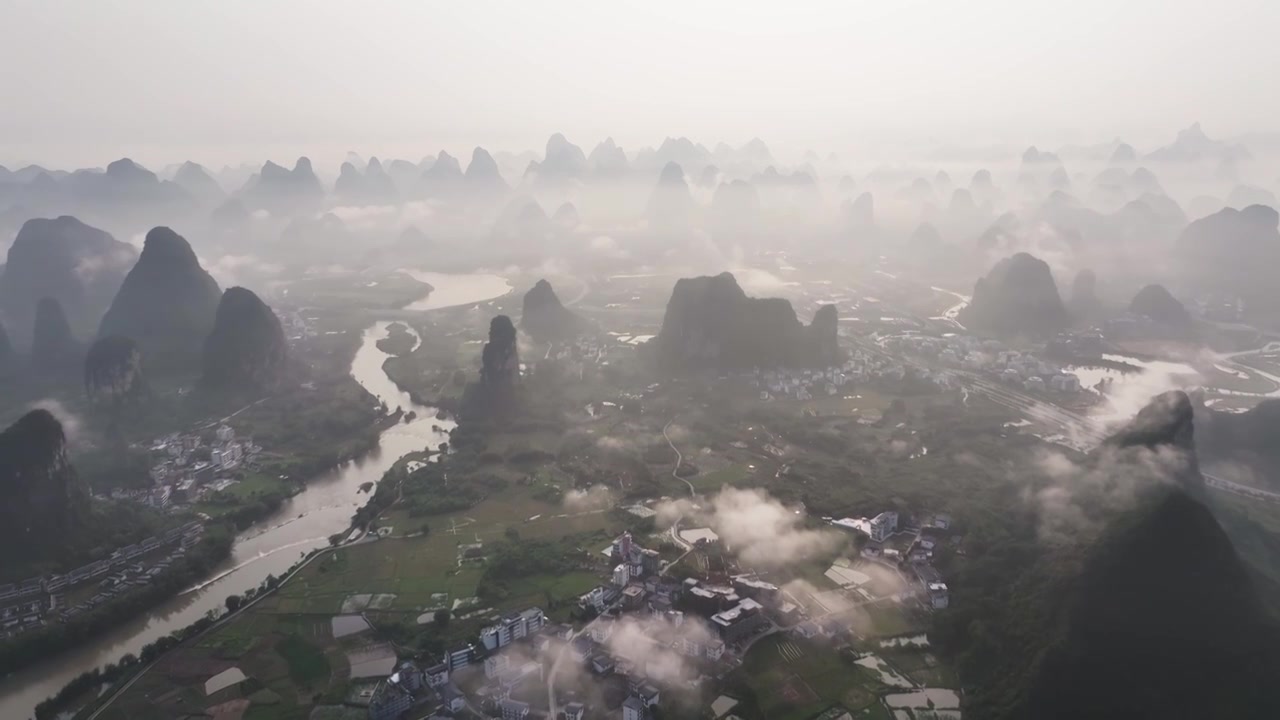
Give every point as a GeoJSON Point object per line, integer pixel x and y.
{"type": "Point", "coordinates": [512, 627]}
{"type": "Point", "coordinates": [939, 596]}
{"type": "Point", "coordinates": [621, 575]}
{"type": "Point", "coordinates": [883, 525]}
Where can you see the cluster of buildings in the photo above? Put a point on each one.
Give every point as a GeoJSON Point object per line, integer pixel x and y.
{"type": "Point", "coordinates": [917, 557]}
{"type": "Point", "coordinates": [587, 352]}
{"type": "Point", "coordinates": [805, 384]}
{"type": "Point", "coordinates": [295, 325]}
{"type": "Point", "coordinates": [991, 357]}
{"type": "Point", "coordinates": [35, 601]}
{"type": "Point", "coordinates": [411, 687]}
{"type": "Point", "coordinates": [707, 623]}
{"type": "Point", "coordinates": [191, 465]}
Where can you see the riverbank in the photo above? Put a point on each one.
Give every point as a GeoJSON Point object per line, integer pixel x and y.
{"type": "Point", "coordinates": [304, 523]}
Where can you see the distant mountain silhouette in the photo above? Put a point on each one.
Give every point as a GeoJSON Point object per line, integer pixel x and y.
{"type": "Point", "coordinates": [1124, 154]}
{"type": "Point", "coordinates": [1234, 252]}
{"type": "Point", "coordinates": [44, 499]}
{"type": "Point", "coordinates": [1155, 302]}
{"type": "Point", "coordinates": [608, 160]}
{"type": "Point", "coordinates": [545, 319]}
{"type": "Point", "coordinates": [199, 184]}
{"type": "Point", "coordinates": [1018, 297]}
{"type": "Point", "coordinates": [861, 211]}
{"type": "Point", "coordinates": [482, 174]}
{"type": "Point", "coordinates": [1084, 302]}
{"type": "Point", "coordinates": [284, 192]}
{"type": "Point", "coordinates": [671, 204]}
{"type": "Point", "coordinates": [1032, 156]}
{"type": "Point", "coordinates": [562, 161]}
{"type": "Point", "coordinates": [167, 303]}
{"type": "Point", "coordinates": [566, 216]}
{"type": "Point", "coordinates": [246, 350]}
{"type": "Point", "coordinates": [443, 178]}
{"type": "Point", "coordinates": [1192, 145]}
{"type": "Point", "coordinates": [372, 186]}
{"type": "Point", "coordinates": [711, 323]}
{"type": "Point", "coordinates": [80, 266]}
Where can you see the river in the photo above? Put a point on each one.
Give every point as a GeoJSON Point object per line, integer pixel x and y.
{"type": "Point", "coordinates": [270, 547]}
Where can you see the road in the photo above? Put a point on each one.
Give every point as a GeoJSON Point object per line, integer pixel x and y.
{"type": "Point", "coordinates": [679, 459]}
{"type": "Point", "coordinates": [222, 621]}
{"type": "Point", "coordinates": [555, 666]}
{"type": "Point", "coordinates": [673, 531]}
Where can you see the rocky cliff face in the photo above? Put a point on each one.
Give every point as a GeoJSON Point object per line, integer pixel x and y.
{"type": "Point", "coordinates": [52, 346]}
{"type": "Point", "coordinates": [6, 348]}
{"type": "Point", "coordinates": [167, 303]}
{"type": "Point", "coordinates": [113, 372]}
{"type": "Point", "coordinates": [1155, 302]}
{"type": "Point", "coordinates": [1127, 648]}
{"type": "Point", "coordinates": [500, 359]}
{"type": "Point", "coordinates": [80, 266]}
{"type": "Point", "coordinates": [42, 495]}
{"type": "Point", "coordinates": [1018, 297]}
{"type": "Point", "coordinates": [545, 319]}
{"type": "Point", "coordinates": [711, 323]}
{"type": "Point", "coordinates": [497, 392]}
{"type": "Point", "coordinates": [824, 336]}
{"type": "Point", "coordinates": [247, 348]}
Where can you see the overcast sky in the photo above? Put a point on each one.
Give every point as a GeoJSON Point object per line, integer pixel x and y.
{"type": "Point", "coordinates": [230, 80]}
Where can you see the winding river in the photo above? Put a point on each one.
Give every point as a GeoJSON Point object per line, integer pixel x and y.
{"type": "Point", "coordinates": [303, 523]}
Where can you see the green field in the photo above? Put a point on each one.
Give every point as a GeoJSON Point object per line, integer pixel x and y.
{"type": "Point", "coordinates": [307, 662]}
{"type": "Point", "coordinates": [712, 481]}
{"type": "Point", "coordinates": [794, 679]}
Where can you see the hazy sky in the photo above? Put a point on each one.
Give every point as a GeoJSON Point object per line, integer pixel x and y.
{"type": "Point", "coordinates": [86, 81]}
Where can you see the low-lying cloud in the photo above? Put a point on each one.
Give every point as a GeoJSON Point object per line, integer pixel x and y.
{"type": "Point", "coordinates": [651, 643]}
{"type": "Point", "coordinates": [1070, 503]}
{"type": "Point", "coordinates": [756, 527]}
{"type": "Point", "coordinates": [596, 497]}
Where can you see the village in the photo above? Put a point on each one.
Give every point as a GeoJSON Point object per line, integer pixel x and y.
{"type": "Point", "coordinates": [645, 631]}
{"type": "Point", "coordinates": [188, 467]}
{"type": "Point", "coordinates": [36, 601]}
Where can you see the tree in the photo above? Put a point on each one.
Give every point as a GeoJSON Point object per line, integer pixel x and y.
{"type": "Point", "coordinates": [234, 602]}
{"type": "Point", "coordinates": [441, 617]}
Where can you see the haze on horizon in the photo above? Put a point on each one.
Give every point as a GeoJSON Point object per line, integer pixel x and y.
{"type": "Point", "coordinates": [233, 81]}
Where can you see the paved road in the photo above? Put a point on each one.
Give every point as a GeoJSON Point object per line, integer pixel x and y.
{"type": "Point", "coordinates": [679, 459]}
